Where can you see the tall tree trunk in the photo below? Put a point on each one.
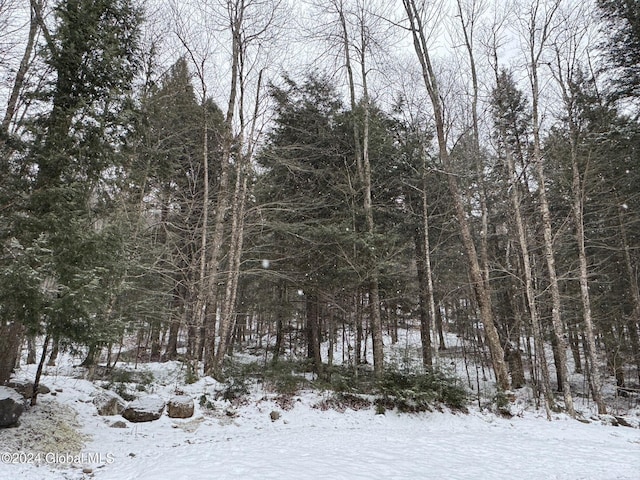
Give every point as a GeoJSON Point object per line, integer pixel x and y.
{"type": "Point", "coordinates": [280, 295]}
{"type": "Point", "coordinates": [480, 286]}
{"type": "Point", "coordinates": [313, 332]}
{"type": "Point", "coordinates": [202, 290]}
{"type": "Point", "coordinates": [376, 320]}
{"type": "Point", "coordinates": [364, 171]}
{"type": "Point", "coordinates": [425, 330]}
{"type": "Point", "coordinates": [425, 277]}
{"type": "Point", "coordinates": [529, 287]}
{"type": "Point", "coordinates": [359, 356]}
{"type": "Point", "coordinates": [468, 23]}
{"type": "Point", "coordinates": [577, 206]}
{"type": "Point", "coordinates": [595, 378]}
{"type": "Point", "coordinates": [227, 318]}
{"type": "Point", "coordinates": [535, 52]}
{"type": "Point", "coordinates": [238, 206]}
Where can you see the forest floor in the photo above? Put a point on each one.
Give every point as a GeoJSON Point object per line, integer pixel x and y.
{"type": "Point", "coordinates": [265, 434]}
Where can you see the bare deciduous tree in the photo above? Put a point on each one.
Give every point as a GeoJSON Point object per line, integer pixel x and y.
{"type": "Point", "coordinates": [569, 45]}
{"type": "Point", "coordinates": [416, 12]}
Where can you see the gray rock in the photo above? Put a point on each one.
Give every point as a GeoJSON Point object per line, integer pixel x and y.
{"type": "Point", "coordinates": [180, 406]}
{"type": "Point", "coordinates": [144, 409]}
{"type": "Point", "coordinates": [109, 403]}
{"type": "Point", "coordinates": [118, 424]}
{"type": "Point", "coordinates": [25, 388]}
{"type": "Point", "coordinates": [11, 407]}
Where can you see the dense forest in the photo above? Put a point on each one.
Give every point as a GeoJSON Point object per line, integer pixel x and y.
{"type": "Point", "coordinates": [302, 180]}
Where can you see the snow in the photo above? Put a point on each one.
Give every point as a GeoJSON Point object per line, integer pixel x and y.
{"type": "Point", "coordinates": [362, 445]}
{"type": "Point", "coordinates": [241, 439]}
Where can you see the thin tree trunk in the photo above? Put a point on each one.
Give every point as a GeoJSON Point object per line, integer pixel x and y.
{"type": "Point", "coordinates": [36, 381]}
{"type": "Point", "coordinates": [577, 206]}
{"type": "Point", "coordinates": [425, 330]}
{"type": "Point", "coordinates": [595, 380]}
{"type": "Point", "coordinates": [376, 320]}
{"type": "Point", "coordinates": [202, 290]}
{"type": "Point", "coordinates": [468, 31]}
{"type": "Point", "coordinates": [439, 327]}
{"type": "Point", "coordinates": [574, 343]}
{"type": "Point", "coordinates": [427, 266]}
{"type": "Point", "coordinates": [31, 350]}
{"type": "Point", "coordinates": [313, 333]}
{"type": "Point", "coordinates": [281, 292]}
{"type": "Point", "coordinates": [21, 74]}
{"type": "Point", "coordinates": [359, 331]}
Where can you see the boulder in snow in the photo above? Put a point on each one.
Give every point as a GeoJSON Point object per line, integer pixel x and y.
{"type": "Point", "coordinates": [25, 388]}
{"type": "Point", "coordinates": [11, 407]}
{"type": "Point", "coordinates": [109, 403]}
{"type": "Point", "coordinates": [180, 406]}
{"type": "Point", "coordinates": [144, 409]}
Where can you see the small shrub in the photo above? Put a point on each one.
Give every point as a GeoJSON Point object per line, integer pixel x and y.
{"type": "Point", "coordinates": [191, 375]}
{"type": "Point", "coordinates": [286, 384]}
{"type": "Point", "coordinates": [341, 401]}
{"type": "Point", "coordinates": [205, 403]}
{"type": "Point", "coordinates": [346, 379]}
{"type": "Point", "coordinates": [235, 389]}
{"type": "Point", "coordinates": [412, 392]}
{"type": "Point", "coordinates": [123, 381]}
{"type": "Point", "coordinates": [285, 377]}
{"type": "Point", "coordinates": [122, 390]}
{"type": "Point", "coordinates": [285, 402]}
{"type": "Point", "coordinates": [120, 375]}
{"type": "Point", "coordinates": [502, 402]}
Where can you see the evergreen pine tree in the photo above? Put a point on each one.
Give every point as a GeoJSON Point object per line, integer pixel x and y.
{"type": "Point", "coordinates": [62, 235]}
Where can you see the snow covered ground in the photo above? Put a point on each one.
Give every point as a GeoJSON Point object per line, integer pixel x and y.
{"type": "Point", "coordinates": [242, 441]}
